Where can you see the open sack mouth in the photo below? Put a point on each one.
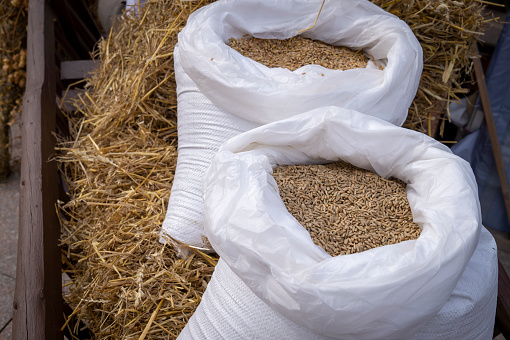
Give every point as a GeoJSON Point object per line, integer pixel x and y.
{"type": "Point", "coordinates": [256, 92]}
{"type": "Point", "coordinates": [250, 228]}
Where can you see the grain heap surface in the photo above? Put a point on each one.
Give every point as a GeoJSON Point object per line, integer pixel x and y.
{"type": "Point", "coordinates": [296, 52]}
{"type": "Point", "coordinates": [346, 209]}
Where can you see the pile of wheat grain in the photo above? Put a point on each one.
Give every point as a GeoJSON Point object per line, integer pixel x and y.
{"type": "Point", "coordinates": [346, 209]}
{"type": "Point", "coordinates": [296, 52]}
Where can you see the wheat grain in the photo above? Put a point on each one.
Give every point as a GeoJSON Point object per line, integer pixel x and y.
{"type": "Point", "coordinates": [346, 209]}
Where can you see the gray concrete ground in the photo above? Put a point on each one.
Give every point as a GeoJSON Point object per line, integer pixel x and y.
{"type": "Point", "coordinates": [9, 216]}
{"type": "Point", "coordinates": [9, 199]}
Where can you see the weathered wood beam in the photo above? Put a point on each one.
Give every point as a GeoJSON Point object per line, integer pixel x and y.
{"type": "Point", "coordinates": [493, 133]}
{"type": "Point", "coordinates": [77, 69]}
{"type": "Point", "coordinates": [38, 294]}
{"type": "Point", "coordinates": [503, 307]}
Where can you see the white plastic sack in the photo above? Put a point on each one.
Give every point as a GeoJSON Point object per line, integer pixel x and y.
{"type": "Point", "coordinates": [470, 311]}
{"type": "Point", "coordinates": [261, 94]}
{"type": "Point", "coordinates": [221, 93]}
{"type": "Point", "coordinates": [202, 128]}
{"type": "Point", "coordinates": [386, 292]}
{"type": "Point", "coordinates": [230, 310]}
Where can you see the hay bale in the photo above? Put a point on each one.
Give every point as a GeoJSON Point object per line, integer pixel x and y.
{"type": "Point", "coordinates": [119, 163]}
{"type": "Point", "coordinates": [120, 159]}
{"type": "Point", "coordinates": [447, 32]}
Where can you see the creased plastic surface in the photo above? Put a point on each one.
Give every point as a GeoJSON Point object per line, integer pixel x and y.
{"type": "Point", "coordinates": [261, 94]}
{"type": "Point", "coordinates": [386, 292]}
{"type": "Point", "coordinates": [470, 311]}
{"type": "Point", "coordinates": [230, 310]}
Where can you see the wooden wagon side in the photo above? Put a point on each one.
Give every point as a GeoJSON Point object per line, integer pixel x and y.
{"type": "Point", "coordinates": [57, 30]}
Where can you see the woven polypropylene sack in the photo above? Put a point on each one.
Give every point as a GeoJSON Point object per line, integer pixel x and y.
{"type": "Point", "coordinates": [230, 310]}
{"type": "Point", "coordinates": [471, 309]}
{"type": "Point", "coordinates": [385, 292]}
{"type": "Point", "coordinates": [221, 93]}
{"type": "Point", "coordinates": [202, 128]}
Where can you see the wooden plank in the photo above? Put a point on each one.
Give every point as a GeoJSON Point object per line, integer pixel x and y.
{"type": "Point", "coordinates": [71, 95]}
{"type": "Point", "coordinates": [502, 239]}
{"type": "Point", "coordinates": [83, 22]}
{"type": "Point", "coordinates": [492, 28]}
{"type": "Point", "coordinates": [67, 26]}
{"type": "Point", "coordinates": [493, 133]}
{"type": "Point", "coordinates": [77, 24]}
{"type": "Point", "coordinates": [499, 337]}
{"type": "Point", "coordinates": [503, 307]}
{"type": "Point", "coordinates": [38, 295]}
{"type": "Point", "coordinates": [65, 49]}
{"type": "Point", "coordinates": [76, 69]}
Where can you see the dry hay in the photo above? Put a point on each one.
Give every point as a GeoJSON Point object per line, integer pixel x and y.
{"type": "Point", "coordinates": [346, 209]}
{"type": "Point", "coordinates": [118, 164]}
{"type": "Point", "coordinates": [296, 52]}
{"type": "Point", "coordinates": [120, 159]}
{"type": "Point", "coordinates": [13, 20]}
{"type": "Point", "coordinates": [447, 31]}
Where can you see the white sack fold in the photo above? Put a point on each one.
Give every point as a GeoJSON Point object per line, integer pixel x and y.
{"type": "Point", "coordinates": [202, 128]}
{"type": "Point", "coordinates": [261, 94]}
{"type": "Point", "coordinates": [230, 310]}
{"type": "Point", "coordinates": [385, 292]}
